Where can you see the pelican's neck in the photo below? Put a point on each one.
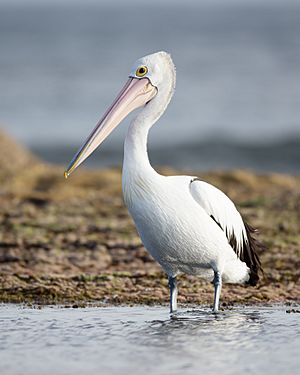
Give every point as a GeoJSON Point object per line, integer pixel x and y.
{"type": "Point", "coordinates": [136, 160]}
{"type": "Point", "coordinates": [135, 146]}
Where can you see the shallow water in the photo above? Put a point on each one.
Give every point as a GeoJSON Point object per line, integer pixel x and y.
{"type": "Point", "coordinates": [117, 340]}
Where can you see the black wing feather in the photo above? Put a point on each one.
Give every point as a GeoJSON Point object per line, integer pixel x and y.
{"type": "Point", "coordinates": [249, 252]}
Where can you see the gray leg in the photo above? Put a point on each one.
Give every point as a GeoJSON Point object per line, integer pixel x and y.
{"type": "Point", "coordinates": [218, 285]}
{"type": "Point", "coordinates": [173, 293]}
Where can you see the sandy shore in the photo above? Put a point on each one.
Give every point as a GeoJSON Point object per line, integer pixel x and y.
{"type": "Point", "coordinates": [73, 241]}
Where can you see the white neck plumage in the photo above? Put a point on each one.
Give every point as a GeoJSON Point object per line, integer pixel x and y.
{"type": "Point", "coordinates": [136, 160]}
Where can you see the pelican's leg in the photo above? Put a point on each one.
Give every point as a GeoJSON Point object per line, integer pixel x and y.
{"type": "Point", "coordinates": [218, 285]}
{"type": "Point", "coordinates": [173, 293]}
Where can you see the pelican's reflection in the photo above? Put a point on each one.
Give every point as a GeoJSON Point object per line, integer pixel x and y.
{"type": "Point", "coordinates": [195, 329]}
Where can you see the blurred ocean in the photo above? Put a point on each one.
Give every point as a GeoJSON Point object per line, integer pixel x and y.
{"type": "Point", "coordinates": [237, 102]}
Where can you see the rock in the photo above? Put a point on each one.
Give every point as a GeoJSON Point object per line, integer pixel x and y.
{"type": "Point", "coordinates": [14, 158]}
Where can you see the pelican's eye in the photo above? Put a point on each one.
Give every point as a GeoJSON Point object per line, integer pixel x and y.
{"type": "Point", "coordinates": [141, 71]}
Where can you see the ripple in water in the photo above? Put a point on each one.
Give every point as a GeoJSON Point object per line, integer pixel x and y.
{"type": "Point", "coordinates": [138, 339]}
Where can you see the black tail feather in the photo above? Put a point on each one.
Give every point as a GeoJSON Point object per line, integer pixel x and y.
{"type": "Point", "coordinates": [249, 253]}
{"type": "Point", "coordinates": [251, 249]}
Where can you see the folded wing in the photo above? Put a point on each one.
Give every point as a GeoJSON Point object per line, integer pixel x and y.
{"type": "Point", "coordinates": [239, 234]}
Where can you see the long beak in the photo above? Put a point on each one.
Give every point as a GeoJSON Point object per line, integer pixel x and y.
{"type": "Point", "coordinates": [135, 94]}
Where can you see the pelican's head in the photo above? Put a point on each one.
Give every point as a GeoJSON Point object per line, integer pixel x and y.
{"type": "Point", "coordinates": [158, 68]}
{"type": "Point", "coordinates": [150, 77]}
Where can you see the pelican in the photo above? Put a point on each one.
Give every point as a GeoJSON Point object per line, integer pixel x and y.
{"type": "Point", "coordinates": [187, 225]}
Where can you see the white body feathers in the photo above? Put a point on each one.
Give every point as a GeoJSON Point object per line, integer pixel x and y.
{"type": "Point", "coordinates": [173, 214]}
{"type": "Point", "coordinates": [177, 231]}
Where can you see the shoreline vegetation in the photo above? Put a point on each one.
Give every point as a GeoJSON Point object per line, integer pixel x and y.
{"type": "Point", "coordinates": [72, 241]}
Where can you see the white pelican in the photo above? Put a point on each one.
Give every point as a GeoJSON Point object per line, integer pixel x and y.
{"type": "Point", "coordinates": [187, 225]}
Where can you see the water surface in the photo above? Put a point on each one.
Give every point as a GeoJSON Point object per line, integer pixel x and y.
{"type": "Point", "coordinates": [138, 340]}
{"type": "Point", "coordinates": [237, 102]}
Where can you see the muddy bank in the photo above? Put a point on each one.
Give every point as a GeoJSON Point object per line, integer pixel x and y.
{"type": "Point", "coordinates": [73, 241]}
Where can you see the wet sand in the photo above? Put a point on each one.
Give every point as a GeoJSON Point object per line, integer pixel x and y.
{"type": "Point", "coordinates": [72, 241]}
